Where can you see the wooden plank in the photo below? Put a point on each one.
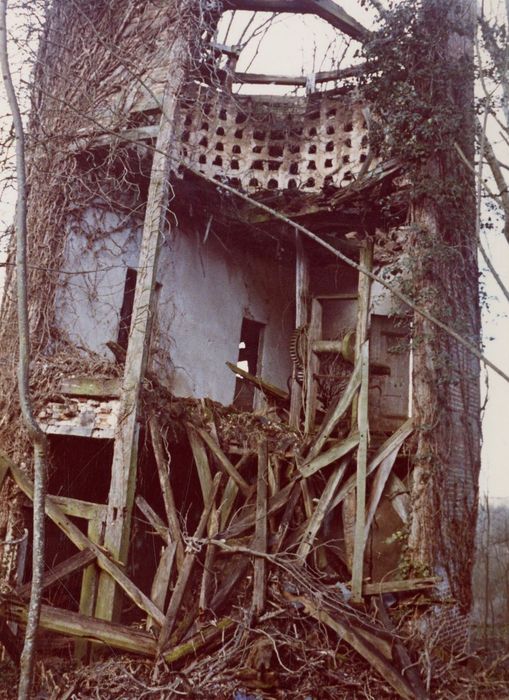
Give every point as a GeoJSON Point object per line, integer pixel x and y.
{"type": "Point", "coordinates": [339, 410]}
{"type": "Point", "coordinates": [224, 462]}
{"type": "Point", "coordinates": [163, 466]}
{"type": "Point", "coordinates": [399, 498]}
{"type": "Point", "coordinates": [338, 450]}
{"type": "Point", "coordinates": [81, 541]}
{"type": "Point", "coordinates": [321, 510]}
{"type": "Point", "coordinates": [312, 367]}
{"type": "Point", "coordinates": [204, 637]}
{"type": "Point", "coordinates": [68, 623]}
{"type": "Point", "coordinates": [161, 582]}
{"type": "Point", "coordinates": [360, 483]}
{"type": "Point", "coordinates": [400, 435]}
{"type": "Point", "coordinates": [260, 541]}
{"type": "Point", "coordinates": [79, 509]}
{"type": "Point", "coordinates": [206, 579]}
{"type": "Point", "coordinates": [347, 633]}
{"type": "Point", "coordinates": [125, 451]}
{"type": "Point", "coordinates": [320, 77]}
{"type": "Point", "coordinates": [201, 460]}
{"type": "Point", "coordinates": [89, 585]}
{"type": "Point", "coordinates": [269, 389]}
{"type": "Point", "coordinates": [301, 318]}
{"type": "Point", "coordinates": [185, 572]}
{"type": "Point", "coordinates": [377, 489]}
{"type": "Point", "coordinates": [92, 387]}
{"type": "Point", "coordinates": [400, 585]}
{"type": "Point", "coordinates": [284, 523]}
{"type": "Point", "coordinates": [70, 566]}
{"type": "Point", "coordinates": [153, 519]}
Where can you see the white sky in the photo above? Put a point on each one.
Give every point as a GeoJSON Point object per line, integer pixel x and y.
{"type": "Point", "coordinates": [296, 45]}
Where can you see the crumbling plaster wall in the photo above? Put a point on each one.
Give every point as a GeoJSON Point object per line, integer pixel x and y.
{"type": "Point", "coordinates": [206, 289]}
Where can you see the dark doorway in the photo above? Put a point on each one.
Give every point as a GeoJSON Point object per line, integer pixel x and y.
{"type": "Point", "coordinates": [250, 344]}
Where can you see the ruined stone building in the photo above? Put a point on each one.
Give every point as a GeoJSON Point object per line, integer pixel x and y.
{"type": "Point", "coordinates": [211, 372]}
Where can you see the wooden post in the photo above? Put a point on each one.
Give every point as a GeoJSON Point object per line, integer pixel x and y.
{"type": "Point", "coordinates": [312, 365]}
{"type": "Point", "coordinates": [301, 319]}
{"type": "Point", "coordinates": [89, 586]}
{"type": "Point", "coordinates": [125, 453]}
{"type": "Point", "coordinates": [260, 542]}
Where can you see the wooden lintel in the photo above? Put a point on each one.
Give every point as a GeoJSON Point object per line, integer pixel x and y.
{"type": "Point", "coordinates": [70, 566]}
{"type": "Point", "coordinates": [400, 586]}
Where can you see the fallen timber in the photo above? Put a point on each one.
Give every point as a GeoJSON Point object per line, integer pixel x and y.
{"type": "Point", "coordinates": [258, 549]}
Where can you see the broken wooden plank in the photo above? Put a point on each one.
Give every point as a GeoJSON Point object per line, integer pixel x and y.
{"type": "Point", "coordinates": [206, 580]}
{"type": "Point", "coordinates": [79, 509]}
{"type": "Point", "coordinates": [224, 462]}
{"type": "Point", "coordinates": [185, 572]}
{"type": "Point", "coordinates": [163, 465]}
{"type": "Point", "coordinates": [400, 435]}
{"type": "Point", "coordinates": [201, 639]}
{"type": "Point", "coordinates": [360, 482]}
{"type": "Point", "coordinates": [201, 460]}
{"type": "Point", "coordinates": [312, 367]}
{"type": "Point", "coordinates": [269, 389]}
{"type": "Point", "coordinates": [260, 541]}
{"type": "Point", "coordinates": [399, 498]}
{"type": "Point", "coordinates": [346, 632]}
{"type": "Point", "coordinates": [284, 523]}
{"type": "Point", "coordinates": [321, 510]}
{"type": "Point", "coordinates": [70, 566]}
{"type": "Point", "coordinates": [333, 418]}
{"type": "Point", "coordinates": [111, 634]}
{"type": "Point", "coordinates": [301, 319]}
{"type": "Point", "coordinates": [341, 448]}
{"type": "Point", "coordinates": [377, 489]}
{"type": "Point", "coordinates": [81, 541]}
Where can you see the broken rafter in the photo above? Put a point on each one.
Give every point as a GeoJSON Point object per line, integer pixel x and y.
{"type": "Point", "coordinates": [267, 388]}
{"type": "Point", "coordinates": [326, 9]}
{"type": "Point", "coordinates": [70, 566]}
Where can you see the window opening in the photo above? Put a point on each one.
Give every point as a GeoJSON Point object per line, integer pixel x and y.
{"type": "Point", "coordinates": [250, 344]}
{"type": "Point", "coordinates": [126, 310]}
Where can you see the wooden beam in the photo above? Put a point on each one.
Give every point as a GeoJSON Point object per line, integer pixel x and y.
{"type": "Point", "coordinates": [163, 466]}
{"type": "Point", "coordinates": [312, 367]}
{"type": "Point", "coordinates": [79, 509]}
{"type": "Point", "coordinates": [161, 582]}
{"type": "Point", "coordinates": [333, 417]}
{"type": "Point", "coordinates": [73, 624]}
{"type": "Point", "coordinates": [224, 462]}
{"type": "Point", "coordinates": [260, 541]}
{"type": "Point", "coordinates": [299, 80]}
{"type": "Point", "coordinates": [301, 319]}
{"type": "Point", "coordinates": [321, 510]}
{"type": "Point", "coordinates": [70, 566]}
{"type": "Point", "coordinates": [125, 451]}
{"type": "Point", "coordinates": [81, 541]}
{"type": "Point", "coordinates": [89, 584]}
{"type": "Point", "coordinates": [338, 450]}
{"type": "Point", "coordinates": [377, 489]}
{"type": "Point", "coordinates": [326, 9]}
{"type": "Point", "coordinates": [400, 586]}
{"type": "Point", "coordinates": [360, 482]}
{"type": "Point", "coordinates": [267, 388]}
{"type": "Point", "coordinates": [92, 387]}
{"type": "Point", "coordinates": [154, 520]}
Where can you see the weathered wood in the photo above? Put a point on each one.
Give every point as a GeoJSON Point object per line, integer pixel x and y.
{"type": "Point", "coordinates": [389, 445]}
{"type": "Point", "coordinates": [230, 494]}
{"type": "Point", "coordinates": [70, 566]}
{"type": "Point", "coordinates": [206, 580]}
{"type": "Point", "coordinates": [301, 318]}
{"type": "Point", "coordinates": [163, 465]}
{"type": "Point", "coordinates": [161, 582]}
{"type": "Point", "coordinates": [201, 460]}
{"type": "Point", "coordinates": [154, 520]}
{"type": "Point", "coordinates": [399, 498]}
{"type": "Point", "coordinates": [312, 366]}
{"type": "Point", "coordinates": [321, 510]}
{"type": "Point", "coordinates": [89, 585]}
{"type": "Point", "coordinates": [338, 450]}
{"type": "Point", "coordinates": [284, 523]}
{"type": "Point", "coordinates": [81, 541]}
{"type": "Point", "coordinates": [224, 463]}
{"type": "Point", "coordinates": [320, 77]}
{"type": "Point", "coordinates": [360, 482]}
{"type": "Point", "coordinates": [10, 641]}
{"type": "Point", "coordinates": [333, 418]}
{"type": "Point", "coordinates": [260, 542]}
{"type": "Point", "coordinates": [377, 489]}
{"type": "Point", "coordinates": [79, 509]}
{"type": "Point", "coordinates": [74, 624]}
{"type": "Point", "coordinates": [204, 637]}
{"type": "Point", "coordinates": [92, 387]}
{"type": "Point", "coordinates": [347, 633]}
{"type": "Point", "coordinates": [400, 586]}
{"type": "Point", "coordinates": [185, 572]}
{"type": "Point", "coordinates": [269, 389]}
{"type": "Point", "coordinates": [237, 572]}
{"type": "Point", "coordinates": [125, 451]}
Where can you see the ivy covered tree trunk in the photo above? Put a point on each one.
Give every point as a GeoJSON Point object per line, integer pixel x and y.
{"type": "Point", "coordinates": [445, 277]}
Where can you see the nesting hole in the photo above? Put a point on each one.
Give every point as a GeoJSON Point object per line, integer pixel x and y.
{"type": "Point", "coordinates": [217, 161]}
{"type": "Point", "coordinates": [220, 131]}
{"type": "Point", "coordinates": [236, 149]}
{"type": "Point", "coordinates": [329, 146]}
{"type": "Point", "coordinates": [294, 168]}
{"type": "Point", "coordinates": [312, 149]}
{"type": "Point", "coordinates": [257, 165]}
{"type": "Point", "coordinates": [275, 151]}
{"type": "Point", "coordinates": [272, 184]}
